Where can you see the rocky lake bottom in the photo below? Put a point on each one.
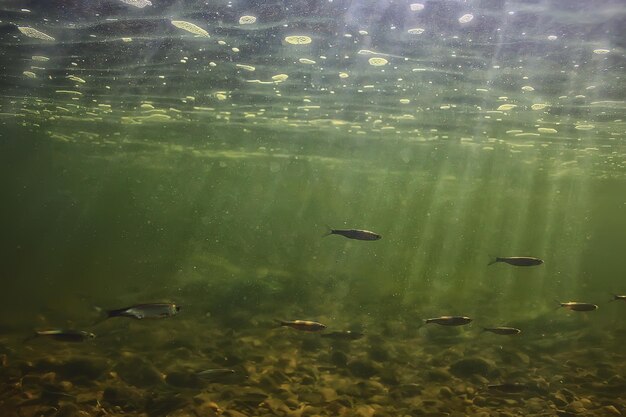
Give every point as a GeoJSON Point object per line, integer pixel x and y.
{"type": "Point", "coordinates": [150, 368]}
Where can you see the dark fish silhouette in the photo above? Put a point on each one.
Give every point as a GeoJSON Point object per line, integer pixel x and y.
{"type": "Point", "coordinates": [517, 260]}
{"type": "Point", "coordinates": [146, 311]}
{"type": "Point", "coordinates": [303, 325]}
{"type": "Point", "coordinates": [215, 373]}
{"type": "Point", "coordinates": [502, 330]}
{"type": "Point", "coordinates": [346, 335]}
{"type": "Point", "coordinates": [64, 335]}
{"type": "Point", "coordinates": [576, 306]}
{"type": "Point", "coordinates": [449, 320]}
{"type": "Point", "coordinates": [354, 234]}
{"type": "Point", "coordinates": [508, 387]}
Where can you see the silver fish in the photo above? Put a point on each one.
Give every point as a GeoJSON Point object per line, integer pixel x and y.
{"type": "Point", "coordinates": [576, 306]}
{"type": "Point", "coordinates": [502, 330]}
{"type": "Point", "coordinates": [355, 234]}
{"type": "Point", "coordinates": [518, 260]}
{"type": "Point", "coordinates": [619, 297]}
{"type": "Point", "coordinates": [215, 373]}
{"type": "Point", "coordinates": [146, 311]}
{"type": "Point", "coordinates": [65, 335]}
{"type": "Point", "coordinates": [449, 320]}
{"type": "Point", "coordinates": [303, 325]}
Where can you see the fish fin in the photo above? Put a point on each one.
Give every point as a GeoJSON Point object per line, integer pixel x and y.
{"type": "Point", "coordinates": [329, 231]}
{"type": "Point", "coordinates": [279, 323]}
{"type": "Point", "coordinates": [559, 303]}
{"type": "Point", "coordinates": [492, 260]}
{"type": "Point", "coordinates": [614, 297]}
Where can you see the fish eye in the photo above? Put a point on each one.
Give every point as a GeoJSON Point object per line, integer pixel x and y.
{"type": "Point", "coordinates": [177, 308]}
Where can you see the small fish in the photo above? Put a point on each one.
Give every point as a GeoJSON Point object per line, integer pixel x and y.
{"type": "Point", "coordinates": [509, 387]}
{"type": "Point", "coordinates": [618, 297]}
{"type": "Point", "coordinates": [449, 320]}
{"type": "Point", "coordinates": [146, 311]}
{"type": "Point", "coordinates": [502, 330]}
{"type": "Point", "coordinates": [215, 373]}
{"type": "Point", "coordinates": [576, 306]}
{"type": "Point", "coordinates": [517, 260]}
{"type": "Point", "coordinates": [346, 335]}
{"type": "Point", "coordinates": [354, 234]}
{"type": "Point", "coordinates": [303, 325]}
{"type": "Point", "coordinates": [64, 335]}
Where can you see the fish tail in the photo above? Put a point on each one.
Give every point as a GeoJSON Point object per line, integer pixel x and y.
{"type": "Point", "coordinates": [279, 323]}
{"type": "Point", "coordinates": [559, 303]}
{"type": "Point", "coordinates": [615, 297]}
{"type": "Point", "coordinates": [493, 260]}
{"type": "Point", "coordinates": [102, 314]}
{"type": "Point", "coordinates": [32, 336]}
{"type": "Point", "coordinates": [329, 231]}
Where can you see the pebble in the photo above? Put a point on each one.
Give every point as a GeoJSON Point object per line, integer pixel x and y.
{"type": "Point", "coordinates": [438, 375]}
{"type": "Point", "coordinates": [68, 410]}
{"type": "Point", "coordinates": [470, 366]}
{"type": "Point", "coordinates": [611, 410]}
{"type": "Point", "coordinates": [84, 369]}
{"type": "Point", "coordinates": [183, 380]}
{"type": "Point", "coordinates": [445, 392]}
{"type": "Point", "coordinates": [339, 359]}
{"type": "Point", "coordinates": [127, 399]}
{"type": "Point", "coordinates": [138, 371]}
{"type": "Point", "coordinates": [362, 369]}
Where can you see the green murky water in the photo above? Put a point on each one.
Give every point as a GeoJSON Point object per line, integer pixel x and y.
{"type": "Point", "coordinates": [196, 153]}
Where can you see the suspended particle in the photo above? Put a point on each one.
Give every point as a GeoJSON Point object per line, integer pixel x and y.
{"type": "Point", "coordinates": [378, 61]}
{"type": "Point", "coordinates": [298, 40]}
{"type": "Point", "coordinates": [190, 27]}
{"type": "Point", "coordinates": [34, 33]}
{"type": "Point", "coordinates": [416, 7]}
{"type": "Point", "coordinates": [416, 31]}
{"type": "Point", "coordinates": [247, 20]}
{"type": "Point", "coordinates": [137, 3]}
{"type": "Point", "coordinates": [506, 107]}
{"type": "Point", "coordinates": [245, 67]}
{"type": "Point", "coordinates": [466, 18]}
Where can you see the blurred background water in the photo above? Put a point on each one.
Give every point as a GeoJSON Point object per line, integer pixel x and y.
{"type": "Point", "coordinates": [142, 160]}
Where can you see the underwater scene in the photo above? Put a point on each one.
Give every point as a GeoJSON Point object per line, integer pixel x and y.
{"type": "Point", "coordinates": [352, 208]}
